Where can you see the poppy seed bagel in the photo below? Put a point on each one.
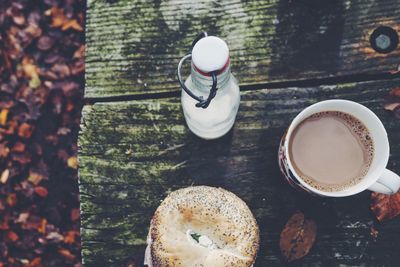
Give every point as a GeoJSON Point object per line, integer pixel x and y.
{"type": "Point", "coordinates": [202, 226]}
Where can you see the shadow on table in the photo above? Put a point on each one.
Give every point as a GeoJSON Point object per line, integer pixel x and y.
{"type": "Point", "coordinates": [307, 38]}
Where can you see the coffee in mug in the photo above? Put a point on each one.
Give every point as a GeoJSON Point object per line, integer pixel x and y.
{"type": "Point", "coordinates": [331, 150]}
{"type": "Point", "coordinates": [337, 148]}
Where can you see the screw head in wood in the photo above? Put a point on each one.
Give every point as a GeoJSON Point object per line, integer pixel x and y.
{"type": "Point", "coordinates": [384, 39]}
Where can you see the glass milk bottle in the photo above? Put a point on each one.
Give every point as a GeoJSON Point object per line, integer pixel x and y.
{"type": "Point", "coordinates": [211, 96]}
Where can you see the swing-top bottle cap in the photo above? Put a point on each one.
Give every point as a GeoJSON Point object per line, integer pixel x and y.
{"type": "Point", "coordinates": [210, 54]}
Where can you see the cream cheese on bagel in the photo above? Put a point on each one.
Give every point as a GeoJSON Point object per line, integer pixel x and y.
{"type": "Point", "coordinates": [202, 226]}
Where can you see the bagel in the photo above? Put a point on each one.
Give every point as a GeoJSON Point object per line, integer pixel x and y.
{"type": "Point", "coordinates": [202, 226]}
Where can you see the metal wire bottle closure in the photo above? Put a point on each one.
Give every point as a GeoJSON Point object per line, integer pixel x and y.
{"type": "Point", "coordinates": [202, 103]}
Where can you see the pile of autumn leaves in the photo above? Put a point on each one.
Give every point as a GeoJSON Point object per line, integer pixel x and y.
{"type": "Point", "coordinates": [41, 88]}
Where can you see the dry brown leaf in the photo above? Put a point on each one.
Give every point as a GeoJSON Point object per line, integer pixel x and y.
{"type": "Point", "coordinates": [80, 52]}
{"type": "Point", "coordinates": [72, 24]}
{"type": "Point", "coordinates": [21, 158]}
{"type": "Point", "coordinates": [3, 116]}
{"type": "Point", "coordinates": [12, 125]}
{"type": "Point", "coordinates": [66, 254]}
{"type": "Point", "coordinates": [41, 191]}
{"type": "Point", "coordinates": [60, 20]}
{"type": "Point", "coordinates": [57, 237]}
{"type": "Point", "coordinates": [4, 223]}
{"type": "Point", "coordinates": [25, 130]}
{"type": "Point", "coordinates": [75, 214]}
{"type": "Point", "coordinates": [45, 43]}
{"type": "Point", "coordinates": [30, 69]}
{"type": "Point", "coordinates": [32, 72]}
{"type": "Point", "coordinates": [33, 30]}
{"type": "Point", "coordinates": [58, 16]}
{"type": "Point", "coordinates": [35, 178]}
{"type": "Point", "coordinates": [4, 151]}
{"type": "Point", "coordinates": [61, 70]}
{"type": "Point", "coordinates": [72, 162]}
{"type": "Point", "coordinates": [23, 217]}
{"type": "Point", "coordinates": [374, 233]}
{"type": "Point", "coordinates": [11, 235]}
{"type": "Point", "coordinates": [385, 207]}
{"type": "Point", "coordinates": [71, 236]}
{"type": "Point", "coordinates": [4, 176]}
{"type": "Point", "coordinates": [42, 226]}
{"type": "Point", "coordinates": [12, 199]}
{"type": "Point", "coordinates": [36, 262]}
{"type": "Point", "coordinates": [395, 92]}
{"type": "Point", "coordinates": [297, 237]}
{"type": "Point", "coordinates": [391, 106]}
{"type": "Point", "coordinates": [392, 102]}
{"type": "Point", "coordinates": [18, 147]}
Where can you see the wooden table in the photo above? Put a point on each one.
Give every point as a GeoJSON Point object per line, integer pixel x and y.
{"type": "Point", "coordinates": [135, 147]}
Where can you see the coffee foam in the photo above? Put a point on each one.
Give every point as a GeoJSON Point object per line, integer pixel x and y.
{"type": "Point", "coordinates": [363, 136]}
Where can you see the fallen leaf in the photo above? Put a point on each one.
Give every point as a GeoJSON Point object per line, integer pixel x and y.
{"type": "Point", "coordinates": [60, 20]}
{"type": "Point", "coordinates": [395, 92]}
{"type": "Point", "coordinates": [63, 131]}
{"type": "Point", "coordinates": [374, 233]}
{"type": "Point", "coordinates": [72, 162]}
{"type": "Point", "coordinates": [78, 67]}
{"type": "Point", "coordinates": [45, 43]}
{"type": "Point", "coordinates": [12, 199]}
{"type": "Point", "coordinates": [3, 116]}
{"type": "Point", "coordinates": [21, 158]}
{"type": "Point", "coordinates": [4, 176]}
{"type": "Point", "coordinates": [23, 217]}
{"type": "Point", "coordinates": [54, 236]}
{"type": "Point", "coordinates": [70, 106]}
{"type": "Point", "coordinates": [75, 214]}
{"type": "Point", "coordinates": [30, 69]}
{"type": "Point", "coordinates": [66, 254]}
{"type": "Point", "coordinates": [12, 236]}
{"type": "Point", "coordinates": [35, 178]}
{"type": "Point", "coordinates": [71, 236]}
{"type": "Point", "coordinates": [392, 102]}
{"type": "Point", "coordinates": [18, 147]}
{"type": "Point", "coordinates": [41, 191]}
{"type": "Point", "coordinates": [4, 151]}
{"type": "Point", "coordinates": [24, 261]}
{"type": "Point", "coordinates": [33, 30]}
{"type": "Point", "coordinates": [19, 20]}
{"type": "Point", "coordinates": [72, 24]}
{"type": "Point", "coordinates": [4, 224]}
{"type": "Point", "coordinates": [32, 223]}
{"type": "Point", "coordinates": [36, 262]}
{"type": "Point", "coordinates": [391, 106]}
{"type": "Point", "coordinates": [25, 130]}
{"type": "Point", "coordinates": [35, 82]}
{"type": "Point", "coordinates": [80, 52]}
{"type": "Point", "coordinates": [297, 237]}
{"type": "Point", "coordinates": [385, 207]}
{"type": "Point", "coordinates": [42, 226]}
{"type": "Point", "coordinates": [12, 125]}
{"type": "Point", "coordinates": [61, 70]}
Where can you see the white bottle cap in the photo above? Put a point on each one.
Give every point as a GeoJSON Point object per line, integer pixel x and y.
{"type": "Point", "coordinates": [210, 54]}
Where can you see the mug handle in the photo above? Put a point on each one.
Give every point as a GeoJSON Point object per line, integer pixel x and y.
{"type": "Point", "coordinates": [388, 183]}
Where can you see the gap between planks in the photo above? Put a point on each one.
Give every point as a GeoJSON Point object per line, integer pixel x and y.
{"type": "Point", "coordinates": [251, 87]}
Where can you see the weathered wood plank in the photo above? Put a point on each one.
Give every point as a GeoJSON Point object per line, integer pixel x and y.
{"type": "Point", "coordinates": [133, 46]}
{"type": "Point", "coordinates": [133, 153]}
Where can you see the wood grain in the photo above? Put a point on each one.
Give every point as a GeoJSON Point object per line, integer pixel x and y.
{"type": "Point", "coordinates": [132, 154]}
{"type": "Point", "coordinates": [133, 46]}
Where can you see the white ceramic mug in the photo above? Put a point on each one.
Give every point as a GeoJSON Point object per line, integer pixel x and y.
{"type": "Point", "coordinates": [378, 178]}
